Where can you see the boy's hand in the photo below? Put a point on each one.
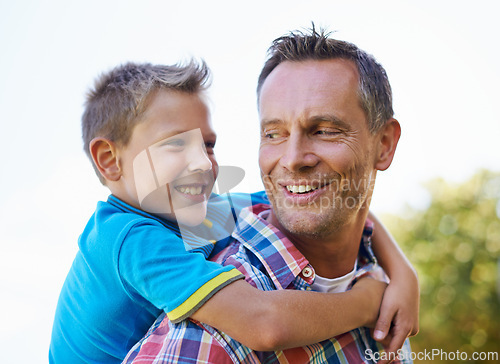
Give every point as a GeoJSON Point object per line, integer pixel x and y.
{"type": "Point", "coordinates": [373, 292]}
{"type": "Point", "coordinates": [398, 317]}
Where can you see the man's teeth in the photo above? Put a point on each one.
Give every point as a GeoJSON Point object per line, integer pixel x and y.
{"type": "Point", "coordinates": [190, 190]}
{"type": "Point", "coordinates": [300, 188]}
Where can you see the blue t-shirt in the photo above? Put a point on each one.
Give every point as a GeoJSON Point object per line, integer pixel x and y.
{"type": "Point", "coordinates": [130, 267]}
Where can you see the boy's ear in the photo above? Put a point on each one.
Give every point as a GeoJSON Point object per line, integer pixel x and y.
{"type": "Point", "coordinates": [104, 154]}
{"type": "Point", "coordinates": [389, 137]}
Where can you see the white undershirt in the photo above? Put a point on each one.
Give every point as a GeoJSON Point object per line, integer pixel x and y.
{"type": "Point", "coordinates": [333, 285]}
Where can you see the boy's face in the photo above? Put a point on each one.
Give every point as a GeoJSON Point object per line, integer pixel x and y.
{"type": "Point", "coordinates": [169, 165]}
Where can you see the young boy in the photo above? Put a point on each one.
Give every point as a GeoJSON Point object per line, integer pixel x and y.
{"type": "Point", "coordinates": [147, 130]}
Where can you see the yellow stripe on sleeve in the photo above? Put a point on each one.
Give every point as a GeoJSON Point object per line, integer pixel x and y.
{"type": "Point", "coordinates": [203, 294]}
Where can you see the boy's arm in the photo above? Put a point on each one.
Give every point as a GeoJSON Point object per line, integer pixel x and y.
{"type": "Point", "coordinates": [276, 320]}
{"type": "Point", "coordinates": [156, 265]}
{"type": "Point", "coordinates": [399, 310]}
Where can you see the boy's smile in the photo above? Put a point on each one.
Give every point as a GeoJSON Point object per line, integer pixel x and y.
{"type": "Point", "coordinates": [194, 188]}
{"type": "Point", "coordinates": [168, 166]}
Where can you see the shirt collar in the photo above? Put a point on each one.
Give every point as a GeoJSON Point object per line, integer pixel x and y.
{"type": "Point", "coordinates": [200, 238]}
{"type": "Point", "coordinates": [125, 207]}
{"type": "Point", "coordinates": [281, 259]}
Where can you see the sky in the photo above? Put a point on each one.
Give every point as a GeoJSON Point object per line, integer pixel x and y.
{"type": "Point", "coordinates": [441, 57]}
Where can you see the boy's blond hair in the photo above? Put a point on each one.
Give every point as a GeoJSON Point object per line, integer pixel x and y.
{"type": "Point", "coordinates": [119, 98]}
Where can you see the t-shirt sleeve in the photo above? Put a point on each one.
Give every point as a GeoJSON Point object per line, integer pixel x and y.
{"type": "Point", "coordinates": [155, 266]}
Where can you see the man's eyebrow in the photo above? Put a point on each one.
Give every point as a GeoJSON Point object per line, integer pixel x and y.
{"type": "Point", "coordinates": [270, 122]}
{"type": "Point", "coordinates": [313, 120]}
{"type": "Point", "coordinates": [331, 119]}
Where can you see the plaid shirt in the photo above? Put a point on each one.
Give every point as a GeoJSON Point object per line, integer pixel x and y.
{"type": "Point", "coordinates": [269, 261]}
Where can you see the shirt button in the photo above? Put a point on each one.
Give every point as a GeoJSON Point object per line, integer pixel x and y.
{"type": "Point", "coordinates": [307, 272]}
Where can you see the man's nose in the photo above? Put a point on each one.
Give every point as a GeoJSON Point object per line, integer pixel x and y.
{"type": "Point", "coordinates": [198, 159]}
{"type": "Point", "coordinates": [297, 153]}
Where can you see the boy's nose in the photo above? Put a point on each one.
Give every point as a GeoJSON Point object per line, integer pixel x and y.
{"type": "Point", "coordinates": [198, 159]}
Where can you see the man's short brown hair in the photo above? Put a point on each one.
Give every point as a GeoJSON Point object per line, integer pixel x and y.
{"type": "Point", "coordinates": [374, 90]}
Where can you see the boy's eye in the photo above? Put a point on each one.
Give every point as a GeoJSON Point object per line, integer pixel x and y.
{"type": "Point", "coordinates": [175, 143]}
{"type": "Point", "coordinates": [209, 146]}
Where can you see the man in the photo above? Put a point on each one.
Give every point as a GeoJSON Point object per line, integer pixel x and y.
{"type": "Point", "coordinates": [327, 127]}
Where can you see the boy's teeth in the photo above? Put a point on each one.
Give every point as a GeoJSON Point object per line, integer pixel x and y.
{"type": "Point", "coordinates": [300, 188]}
{"type": "Point", "coordinates": [190, 190]}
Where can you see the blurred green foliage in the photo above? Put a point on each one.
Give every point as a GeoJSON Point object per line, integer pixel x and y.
{"type": "Point", "coordinates": [455, 247]}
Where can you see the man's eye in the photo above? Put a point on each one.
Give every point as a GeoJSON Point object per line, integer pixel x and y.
{"type": "Point", "coordinates": [271, 135]}
{"type": "Point", "coordinates": [331, 132]}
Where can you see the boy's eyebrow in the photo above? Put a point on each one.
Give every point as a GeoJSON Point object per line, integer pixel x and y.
{"type": "Point", "coordinates": [174, 133]}
{"type": "Point", "coordinates": [169, 135]}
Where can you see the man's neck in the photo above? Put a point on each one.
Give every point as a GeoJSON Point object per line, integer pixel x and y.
{"type": "Point", "coordinates": [331, 256]}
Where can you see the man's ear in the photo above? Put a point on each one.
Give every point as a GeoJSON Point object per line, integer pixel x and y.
{"type": "Point", "coordinates": [389, 137]}
{"type": "Point", "coordinates": [104, 154]}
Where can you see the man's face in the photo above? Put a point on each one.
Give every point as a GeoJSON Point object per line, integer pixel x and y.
{"type": "Point", "coordinates": [169, 164]}
{"type": "Point", "coordinates": [316, 153]}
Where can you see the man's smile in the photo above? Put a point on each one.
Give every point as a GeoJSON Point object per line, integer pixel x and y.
{"type": "Point", "coordinates": [303, 191]}
{"type": "Point", "coordinates": [304, 187]}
